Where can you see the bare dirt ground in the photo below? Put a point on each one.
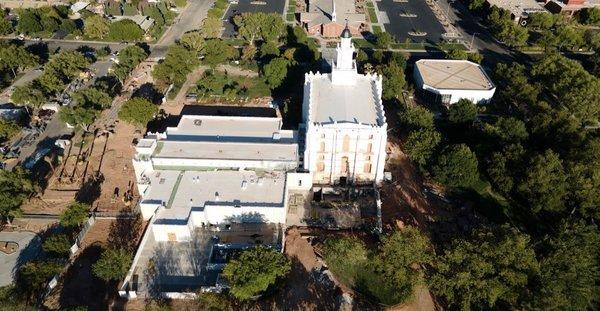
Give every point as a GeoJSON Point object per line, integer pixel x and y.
{"type": "Point", "coordinates": [114, 168]}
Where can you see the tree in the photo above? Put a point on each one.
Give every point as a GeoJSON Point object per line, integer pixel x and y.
{"type": "Point", "coordinates": [584, 180]}
{"type": "Point", "coordinates": [462, 112]}
{"type": "Point", "coordinates": [28, 95]}
{"type": "Point", "coordinates": [456, 166]}
{"type": "Point", "coordinates": [476, 5]}
{"type": "Point", "coordinates": [91, 97]}
{"type": "Point", "coordinates": [503, 167]}
{"type": "Point", "coordinates": [193, 41]}
{"type": "Point", "coordinates": [129, 58]}
{"type": "Point", "coordinates": [6, 26]}
{"type": "Point", "coordinates": [346, 258]}
{"type": "Point", "coordinates": [420, 145]}
{"type": "Point", "coordinates": [259, 25]}
{"type": "Point", "coordinates": [178, 63]}
{"type": "Point", "coordinates": [217, 51]}
{"type": "Point", "coordinates": [394, 81]}
{"type": "Point", "coordinates": [96, 27]}
{"type": "Point", "coordinates": [8, 129]}
{"type": "Point", "coordinates": [514, 86]}
{"type": "Point", "coordinates": [78, 115]}
{"type": "Point", "coordinates": [543, 185]}
{"type": "Point", "coordinates": [507, 130]}
{"type": "Point", "coordinates": [29, 22]}
{"type": "Point", "coordinates": [254, 270]}
{"type": "Point", "coordinates": [211, 27]}
{"type": "Point", "coordinates": [493, 266]}
{"type": "Point", "coordinates": [540, 20]}
{"type": "Point", "coordinates": [75, 215]}
{"type": "Point", "coordinates": [49, 23]}
{"type": "Point", "coordinates": [454, 53]}
{"type": "Point", "coordinates": [276, 71]}
{"type": "Point", "coordinates": [16, 58]}
{"type": "Point", "coordinates": [397, 267]}
{"type": "Point", "coordinates": [60, 70]}
{"type": "Point", "coordinates": [15, 187]}
{"type": "Point", "coordinates": [416, 117]}
{"type": "Point", "coordinates": [213, 302]}
{"type": "Point", "coordinates": [505, 29]}
{"type": "Point", "coordinates": [249, 52]}
{"type": "Point", "coordinates": [569, 270]}
{"type": "Point", "coordinates": [138, 111]}
{"type": "Point", "coordinates": [269, 49]}
{"type": "Point", "coordinates": [33, 276]}
{"type": "Point", "coordinates": [113, 264]}
{"type": "Point", "coordinates": [384, 39]}
{"type": "Point", "coordinates": [125, 30]}
{"type": "Point", "coordinates": [590, 16]}
{"type": "Point", "coordinates": [57, 245]}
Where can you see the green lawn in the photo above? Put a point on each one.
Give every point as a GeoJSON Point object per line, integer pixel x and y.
{"type": "Point", "coordinates": [291, 9]}
{"type": "Point", "coordinates": [372, 15]}
{"type": "Point", "coordinates": [290, 17]}
{"type": "Point", "coordinates": [377, 29]}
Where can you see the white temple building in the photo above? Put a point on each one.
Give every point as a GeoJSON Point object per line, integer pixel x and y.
{"type": "Point", "coordinates": [346, 128]}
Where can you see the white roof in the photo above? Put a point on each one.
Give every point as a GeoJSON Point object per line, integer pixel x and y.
{"type": "Point", "coordinates": [343, 103]}
{"type": "Point", "coordinates": [217, 128]}
{"type": "Point", "coordinates": [233, 187]}
{"type": "Point", "coordinates": [144, 22]}
{"type": "Point", "coordinates": [78, 6]}
{"type": "Point", "coordinates": [453, 74]}
{"type": "Point", "coordinates": [226, 151]}
{"type": "Point", "coordinates": [518, 7]}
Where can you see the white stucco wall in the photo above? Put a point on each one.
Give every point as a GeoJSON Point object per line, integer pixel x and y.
{"type": "Point", "coordinates": [210, 163]}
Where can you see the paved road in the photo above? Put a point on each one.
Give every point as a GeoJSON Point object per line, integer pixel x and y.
{"type": "Point", "coordinates": [190, 18]}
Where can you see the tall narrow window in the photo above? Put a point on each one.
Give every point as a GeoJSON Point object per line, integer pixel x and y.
{"type": "Point", "coordinates": [344, 166]}
{"type": "Point", "coordinates": [370, 147]}
{"type": "Point", "coordinates": [367, 168]}
{"type": "Point", "coordinates": [320, 166]}
{"type": "Point", "coordinates": [346, 144]}
{"type": "Point", "coordinates": [322, 148]}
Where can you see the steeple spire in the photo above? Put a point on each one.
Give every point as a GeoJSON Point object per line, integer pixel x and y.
{"type": "Point", "coordinates": [333, 15]}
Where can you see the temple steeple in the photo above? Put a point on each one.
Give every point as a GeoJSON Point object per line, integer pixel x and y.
{"type": "Point", "coordinates": [344, 68]}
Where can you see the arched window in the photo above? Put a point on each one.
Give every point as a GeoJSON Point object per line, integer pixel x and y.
{"type": "Point", "coordinates": [346, 144]}
{"type": "Point", "coordinates": [322, 148]}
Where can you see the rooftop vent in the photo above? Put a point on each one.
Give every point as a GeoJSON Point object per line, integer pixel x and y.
{"type": "Point", "coordinates": [197, 122]}
{"type": "Point", "coordinates": [244, 185]}
{"type": "Point", "coordinates": [217, 197]}
{"type": "Point", "coordinates": [276, 136]}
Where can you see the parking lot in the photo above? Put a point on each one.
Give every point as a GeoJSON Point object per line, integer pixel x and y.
{"type": "Point", "coordinates": [246, 6]}
{"type": "Point", "coordinates": [414, 16]}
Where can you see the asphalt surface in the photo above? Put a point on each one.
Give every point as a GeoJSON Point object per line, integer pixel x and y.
{"type": "Point", "coordinates": [245, 6]}
{"type": "Point", "coordinates": [400, 26]}
{"type": "Point", "coordinates": [29, 248]}
{"type": "Point", "coordinates": [189, 19]}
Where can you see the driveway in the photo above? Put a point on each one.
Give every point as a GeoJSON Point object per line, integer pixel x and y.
{"type": "Point", "coordinates": [401, 18]}
{"type": "Point", "coordinates": [29, 248]}
{"type": "Point", "coordinates": [249, 6]}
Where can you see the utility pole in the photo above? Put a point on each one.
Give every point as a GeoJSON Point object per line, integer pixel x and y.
{"type": "Point", "coordinates": [472, 40]}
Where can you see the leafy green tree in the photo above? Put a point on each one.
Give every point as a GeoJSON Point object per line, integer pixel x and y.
{"type": "Point", "coordinates": [32, 277]}
{"type": "Point", "coordinates": [11, 298]}
{"type": "Point", "coordinates": [29, 22]}
{"type": "Point", "coordinates": [416, 117]}
{"type": "Point", "coordinates": [514, 86]}
{"type": "Point", "coordinates": [491, 268]}
{"type": "Point", "coordinates": [193, 41]}
{"type": "Point", "coordinates": [60, 70]}
{"type": "Point", "coordinates": [544, 183]}
{"type": "Point", "coordinates": [28, 95]}
{"type": "Point", "coordinates": [15, 187]}
{"type": "Point", "coordinates": [129, 58]}
{"type": "Point", "coordinates": [505, 29]}
{"type": "Point", "coordinates": [16, 58]}
{"type": "Point", "coordinates": [78, 115]}
{"type": "Point", "coordinates": [213, 302]}
{"type": "Point", "coordinates": [590, 16]}
{"type": "Point", "coordinates": [57, 245]}
{"type": "Point", "coordinates": [113, 264]}
{"type": "Point", "coordinates": [75, 215]}
{"type": "Point", "coordinates": [259, 25]}
{"type": "Point", "coordinates": [6, 27]}
{"type": "Point", "coordinates": [217, 51]}
{"type": "Point", "coordinates": [394, 81]}
{"type": "Point", "coordinates": [96, 27]}
{"type": "Point", "coordinates": [462, 112]}
{"type": "Point", "coordinates": [8, 129]}
{"type": "Point", "coordinates": [569, 270]}
{"type": "Point", "coordinates": [503, 167]}
{"type": "Point", "coordinates": [276, 71]}
{"type": "Point", "coordinates": [254, 270]}
{"type": "Point", "coordinates": [138, 111]}
{"type": "Point", "coordinates": [125, 30]}
{"type": "Point", "coordinates": [569, 37]}
{"type": "Point", "coordinates": [178, 63]}
{"type": "Point", "coordinates": [476, 5]}
{"type": "Point", "coordinates": [211, 27]}
{"type": "Point", "coordinates": [92, 97]}
{"type": "Point", "coordinates": [456, 166]}
{"type": "Point", "coordinates": [455, 53]}
{"type": "Point", "coordinates": [540, 20]}
{"type": "Point", "coordinates": [49, 23]}
{"type": "Point", "coordinates": [249, 52]}
{"type": "Point", "coordinates": [269, 49]}
{"type": "Point", "coordinates": [384, 39]}
{"type": "Point", "coordinates": [397, 267]}
{"type": "Point", "coordinates": [507, 130]}
{"type": "Point", "coordinates": [584, 180]}
{"type": "Point", "coordinates": [214, 83]}
{"type": "Point", "coordinates": [346, 258]}
{"type": "Point", "coordinates": [421, 144]}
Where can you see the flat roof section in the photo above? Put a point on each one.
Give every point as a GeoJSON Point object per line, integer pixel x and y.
{"type": "Point", "coordinates": [453, 74]}
{"type": "Point", "coordinates": [518, 7]}
{"type": "Point", "coordinates": [242, 129]}
{"type": "Point", "coordinates": [195, 189]}
{"type": "Point", "coordinates": [227, 151]}
{"type": "Point", "coordinates": [230, 111]}
{"type": "Point", "coordinates": [343, 103]}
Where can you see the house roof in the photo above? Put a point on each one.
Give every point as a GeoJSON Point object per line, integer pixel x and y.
{"type": "Point", "coordinates": [453, 74]}
{"type": "Point", "coordinates": [320, 11]}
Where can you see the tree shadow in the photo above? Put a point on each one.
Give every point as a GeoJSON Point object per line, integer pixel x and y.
{"type": "Point", "coordinates": [40, 49]}
{"type": "Point", "coordinates": [124, 231]}
{"type": "Point", "coordinates": [148, 91]}
{"type": "Point", "coordinates": [90, 190]}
